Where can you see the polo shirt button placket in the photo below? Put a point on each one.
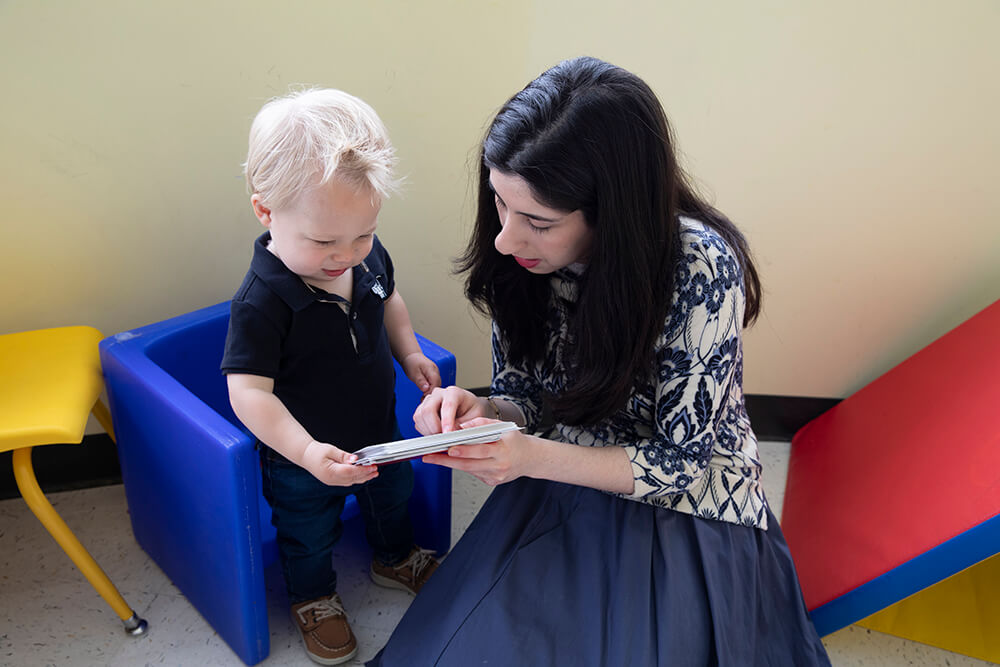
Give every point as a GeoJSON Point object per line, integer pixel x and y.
{"type": "Point", "coordinates": [352, 318]}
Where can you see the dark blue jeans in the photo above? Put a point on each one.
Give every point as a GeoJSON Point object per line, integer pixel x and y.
{"type": "Point", "coordinates": [306, 514]}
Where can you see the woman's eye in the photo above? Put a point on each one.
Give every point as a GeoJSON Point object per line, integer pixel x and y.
{"type": "Point", "coordinates": [536, 228]}
{"type": "Point", "coordinates": [499, 202]}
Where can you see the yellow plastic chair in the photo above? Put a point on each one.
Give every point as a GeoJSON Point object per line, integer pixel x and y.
{"type": "Point", "coordinates": [50, 381]}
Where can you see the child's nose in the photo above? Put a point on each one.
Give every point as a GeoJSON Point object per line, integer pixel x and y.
{"type": "Point", "coordinates": [342, 255]}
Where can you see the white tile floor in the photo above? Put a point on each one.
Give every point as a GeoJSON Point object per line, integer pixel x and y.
{"type": "Point", "coordinates": [49, 614]}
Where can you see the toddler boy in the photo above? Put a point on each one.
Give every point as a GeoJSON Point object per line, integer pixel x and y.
{"type": "Point", "coordinates": [313, 331]}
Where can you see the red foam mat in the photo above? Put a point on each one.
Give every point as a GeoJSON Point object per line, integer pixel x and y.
{"type": "Point", "coordinates": [909, 461]}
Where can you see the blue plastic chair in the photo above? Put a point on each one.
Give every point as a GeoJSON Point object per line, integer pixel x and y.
{"type": "Point", "coordinates": [192, 475]}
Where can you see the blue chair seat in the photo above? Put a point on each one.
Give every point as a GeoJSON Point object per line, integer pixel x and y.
{"type": "Point", "coordinates": [192, 475]}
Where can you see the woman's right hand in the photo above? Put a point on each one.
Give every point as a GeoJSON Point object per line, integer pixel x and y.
{"type": "Point", "coordinates": [445, 408]}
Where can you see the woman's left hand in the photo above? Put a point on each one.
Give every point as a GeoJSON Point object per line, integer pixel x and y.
{"type": "Point", "coordinates": [493, 462]}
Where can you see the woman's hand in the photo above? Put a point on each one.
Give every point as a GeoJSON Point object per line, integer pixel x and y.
{"type": "Point", "coordinates": [494, 462]}
{"type": "Point", "coordinates": [517, 454]}
{"type": "Point", "coordinates": [444, 409]}
{"type": "Point", "coordinates": [422, 371]}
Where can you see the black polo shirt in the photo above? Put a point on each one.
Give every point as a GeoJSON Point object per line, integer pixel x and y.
{"type": "Point", "coordinates": [338, 386]}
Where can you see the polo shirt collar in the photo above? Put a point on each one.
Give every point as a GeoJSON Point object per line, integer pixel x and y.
{"type": "Point", "coordinates": [290, 287]}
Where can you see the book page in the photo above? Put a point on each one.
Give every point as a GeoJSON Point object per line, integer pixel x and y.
{"type": "Point", "coordinates": [429, 444]}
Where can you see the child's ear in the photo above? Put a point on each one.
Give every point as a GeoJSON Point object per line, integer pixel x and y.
{"type": "Point", "coordinates": [262, 212]}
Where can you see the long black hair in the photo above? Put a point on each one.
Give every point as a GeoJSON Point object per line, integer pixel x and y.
{"type": "Point", "coordinates": [589, 136]}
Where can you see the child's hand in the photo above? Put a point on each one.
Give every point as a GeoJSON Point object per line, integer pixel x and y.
{"type": "Point", "coordinates": [333, 466]}
{"type": "Point", "coordinates": [422, 371]}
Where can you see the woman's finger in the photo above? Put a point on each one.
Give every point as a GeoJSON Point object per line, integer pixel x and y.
{"type": "Point", "coordinates": [483, 469]}
{"type": "Point", "coordinates": [485, 450]}
{"type": "Point", "coordinates": [445, 460]}
{"type": "Point", "coordinates": [449, 408]}
{"type": "Point", "coordinates": [460, 457]}
{"type": "Point", "coordinates": [426, 418]}
{"type": "Point", "coordinates": [477, 421]}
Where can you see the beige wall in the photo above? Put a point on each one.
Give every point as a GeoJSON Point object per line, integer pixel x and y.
{"type": "Point", "coordinates": [855, 142]}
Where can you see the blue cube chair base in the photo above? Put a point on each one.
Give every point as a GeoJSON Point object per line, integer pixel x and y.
{"type": "Point", "coordinates": [192, 474]}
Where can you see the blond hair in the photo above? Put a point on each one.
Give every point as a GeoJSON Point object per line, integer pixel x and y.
{"type": "Point", "coordinates": [305, 138]}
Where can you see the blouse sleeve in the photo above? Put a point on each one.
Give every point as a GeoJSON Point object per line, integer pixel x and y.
{"type": "Point", "coordinates": [697, 363]}
{"type": "Point", "coordinates": [515, 384]}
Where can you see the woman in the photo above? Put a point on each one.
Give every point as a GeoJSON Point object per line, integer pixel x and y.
{"type": "Point", "coordinates": [628, 526]}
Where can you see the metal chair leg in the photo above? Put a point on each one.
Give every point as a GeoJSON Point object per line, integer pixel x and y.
{"type": "Point", "coordinates": [24, 473]}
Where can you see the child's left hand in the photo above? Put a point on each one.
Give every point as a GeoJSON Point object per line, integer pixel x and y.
{"type": "Point", "coordinates": [422, 371]}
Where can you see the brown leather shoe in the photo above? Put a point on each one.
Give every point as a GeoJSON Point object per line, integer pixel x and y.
{"type": "Point", "coordinates": [325, 630]}
{"type": "Point", "coordinates": [409, 575]}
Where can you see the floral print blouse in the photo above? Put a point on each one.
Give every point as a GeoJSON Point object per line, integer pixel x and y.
{"type": "Point", "coordinates": [686, 431]}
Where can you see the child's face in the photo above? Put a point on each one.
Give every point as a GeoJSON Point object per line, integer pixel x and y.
{"type": "Point", "coordinates": [541, 239]}
{"type": "Point", "coordinates": [324, 232]}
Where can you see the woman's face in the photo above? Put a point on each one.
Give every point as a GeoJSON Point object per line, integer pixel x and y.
{"type": "Point", "coordinates": [540, 239]}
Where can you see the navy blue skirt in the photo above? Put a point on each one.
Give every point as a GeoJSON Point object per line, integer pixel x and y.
{"type": "Point", "coordinates": [554, 574]}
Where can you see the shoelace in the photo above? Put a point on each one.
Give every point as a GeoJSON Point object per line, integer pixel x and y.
{"type": "Point", "coordinates": [321, 609]}
{"type": "Point", "coordinates": [418, 562]}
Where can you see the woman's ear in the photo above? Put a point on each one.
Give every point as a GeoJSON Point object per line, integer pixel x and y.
{"type": "Point", "coordinates": [262, 212]}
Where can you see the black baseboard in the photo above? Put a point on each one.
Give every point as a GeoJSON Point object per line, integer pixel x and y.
{"type": "Point", "coordinates": [94, 462]}
{"type": "Point", "coordinates": [779, 417]}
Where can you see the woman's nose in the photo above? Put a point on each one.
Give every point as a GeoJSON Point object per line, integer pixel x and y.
{"type": "Point", "coordinates": [506, 242]}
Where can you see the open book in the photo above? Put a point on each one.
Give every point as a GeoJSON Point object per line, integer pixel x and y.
{"type": "Point", "coordinates": [429, 444]}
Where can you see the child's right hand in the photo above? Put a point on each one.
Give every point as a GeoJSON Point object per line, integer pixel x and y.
{"type": "Point", "coordinates": [334, 466]}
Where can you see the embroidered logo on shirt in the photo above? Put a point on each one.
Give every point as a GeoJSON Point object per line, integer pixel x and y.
{"type": "Point", "coordinates": [376, 286]}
